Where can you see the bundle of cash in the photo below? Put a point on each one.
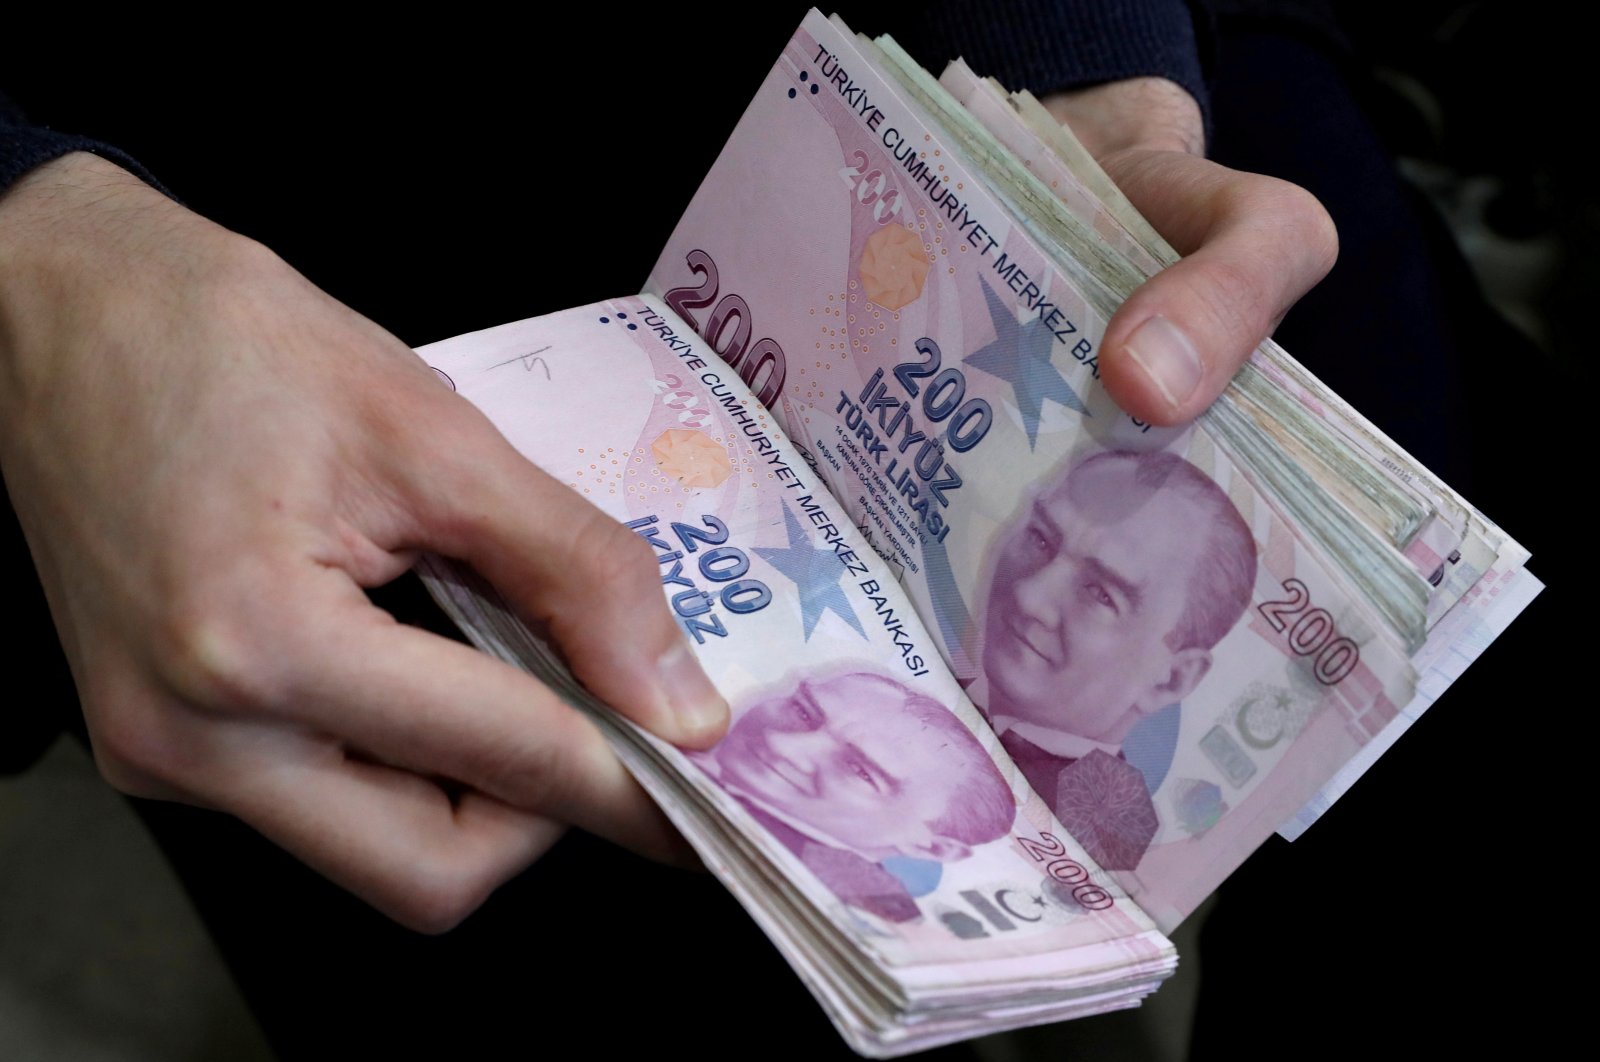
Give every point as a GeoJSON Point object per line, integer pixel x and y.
{"type": "Point", "coordinates": [859, 806]}
{"type": "Point", "coordinates": [1016, 679]}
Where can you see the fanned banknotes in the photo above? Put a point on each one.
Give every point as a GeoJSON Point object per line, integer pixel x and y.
{"type": "Point", "coordinates": [859, 806]}
{"type": "Point", "coordinates": [1017, 680]}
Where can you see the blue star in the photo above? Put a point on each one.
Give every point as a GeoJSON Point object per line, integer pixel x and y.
{"type": "Point", "coordinates": [1020, 355]}
{"type": "Point", "coordinates": [815, 572]}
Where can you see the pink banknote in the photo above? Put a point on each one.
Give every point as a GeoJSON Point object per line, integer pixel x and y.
{"type": "Point", "coordinates": [1473, 568]}
{"type": "Point", "coordinates": [1172, 668]}
{"type": "Point", "coordinates": [858, 798]}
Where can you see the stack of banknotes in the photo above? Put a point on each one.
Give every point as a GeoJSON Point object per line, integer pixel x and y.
{"type": "Point", "coordinates": [1017, 680]}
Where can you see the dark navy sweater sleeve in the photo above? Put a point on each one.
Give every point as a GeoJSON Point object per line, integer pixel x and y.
{"type": "Point", "coordinates": [24, 147]}
{"type": "Point", "coordinates": [1049, 45]}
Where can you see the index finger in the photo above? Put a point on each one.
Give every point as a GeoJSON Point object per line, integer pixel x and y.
{"type": "Point", "coordinates": [443, 709]}
{"type": "Point", "coordinates": [564, 563]}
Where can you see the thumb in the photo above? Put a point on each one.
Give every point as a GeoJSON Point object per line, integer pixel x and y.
{"type": "Point", "coordinates": [595, 585]}
{"type": "Point", "coordinates": [1252, 245]}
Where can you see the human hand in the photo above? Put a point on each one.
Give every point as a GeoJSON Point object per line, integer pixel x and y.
{"type": "Point", "coordinates": [210, 459]}
{"type": "Point", "coordinates": [1252, 246]}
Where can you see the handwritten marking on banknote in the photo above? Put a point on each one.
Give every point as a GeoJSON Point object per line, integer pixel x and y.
{"type": "Point", "coordinates": [527, 361]}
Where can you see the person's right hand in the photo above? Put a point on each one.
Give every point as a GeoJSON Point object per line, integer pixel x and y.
{"type": "Point", "coordinates": [210, 459]}
{"type": "Point", "coordinates": [1252, 245]}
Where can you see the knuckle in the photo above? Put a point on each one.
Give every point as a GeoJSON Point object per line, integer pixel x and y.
{"type": "Point", "coordinates": [132, 748]}
{"type": "Point", "coordinates": [1320, 234]}
{"type": "Point", "coordinates": [217, 657]}
{"type": "Point", "coordinates": [442, 892]}
{"type": "Point", "coordinates": [1305, 230]}
{"type": "Point", "coordinates": [1234, 298]}
{"type": "Point", "coordinates": [439, 905]}
{"type": "Point", "coordinates": [232, 276]}
{"type": "Point", "coordinates": [535, 773]}
{"type": "Point", "coordinates": [452, 448]}
{"type": "Point", "coordinates": [614, 583]}
{"type": "Point", "coordinates": [546, 767]}
{"type": "Point", "coordinates": [612, 563]}
{"type": "Point", "coordinates": [1279, 242]}
{"type": "Point", "coordinates": [125, 761]}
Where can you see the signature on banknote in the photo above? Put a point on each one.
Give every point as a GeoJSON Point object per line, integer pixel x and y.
{"type": "Point", "coordinates": [528, 361]}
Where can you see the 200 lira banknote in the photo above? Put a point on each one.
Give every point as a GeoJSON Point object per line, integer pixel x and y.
{"type": "Point", "coordinates": [859, 806]}
{"type": "Point", "coordinates": [1017, 679]}
{"type": "Point", "coordinates": [1108, 593]}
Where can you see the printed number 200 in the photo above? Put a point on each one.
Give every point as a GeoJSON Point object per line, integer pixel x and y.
{"type": "Point", "coordinates": [761, 366]}
{"type": "Point", "coordinates": [872, 188]}
{"type": "Point", "coordinates": [1312, 633]}
{"type": "Point", "coordinates": [1052, 854]}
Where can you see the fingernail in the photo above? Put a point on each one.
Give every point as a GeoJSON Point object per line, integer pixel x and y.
{"type": "Point", "coordinates": [1168, 358]}
{"type": "Point", "coordinates": [694, 701]}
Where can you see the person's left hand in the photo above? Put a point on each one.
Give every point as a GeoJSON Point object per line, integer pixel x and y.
{"type": "Point", "coordinates": [211, 458]}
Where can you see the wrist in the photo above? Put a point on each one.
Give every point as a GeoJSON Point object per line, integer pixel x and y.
{"type": "Point", "coordinates": [81, 241]}
{"type": "Point", "coordinates": [1138, 113]}
{"type": "Point", "coordinates": [96, 265]}
{"type": "Point", "coordinates": [63, 218]}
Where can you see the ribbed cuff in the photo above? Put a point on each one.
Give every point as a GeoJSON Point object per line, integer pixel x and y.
{"type": "Point", "coordinates": [25, 147]}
